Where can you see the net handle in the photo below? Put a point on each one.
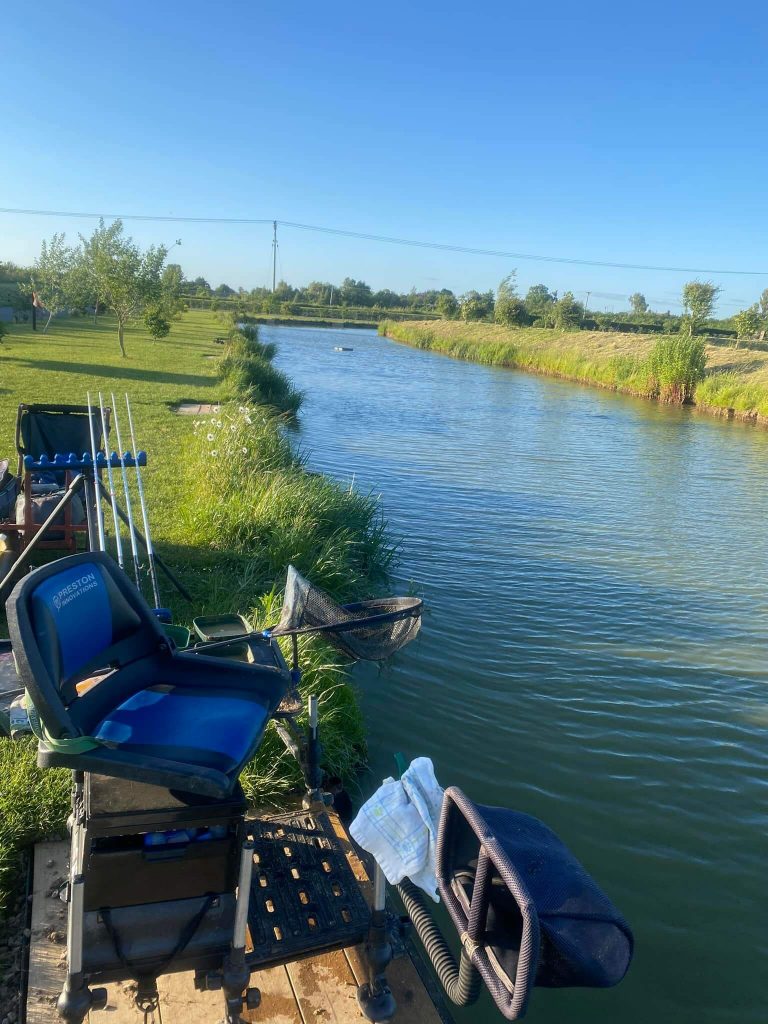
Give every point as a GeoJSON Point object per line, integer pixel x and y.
{"type": "Point", "coordinates": [340, 627]}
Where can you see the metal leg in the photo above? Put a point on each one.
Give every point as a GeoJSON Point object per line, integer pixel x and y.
{"type": "Point", "coordinates": [374, 998]}
{"type": "Point", "coordinates": [76, 999]}
{"type": "Point", "coordinates": [236, 974]}
{"type": "Point", "coordinates": [313, 776]}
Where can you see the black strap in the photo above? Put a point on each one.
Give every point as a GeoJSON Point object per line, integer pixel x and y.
{"type": "Point", "coordinates": [185, 938]}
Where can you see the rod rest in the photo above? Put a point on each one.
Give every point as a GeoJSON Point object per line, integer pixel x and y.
{"type": "Point", "coordinates": [84, 461]}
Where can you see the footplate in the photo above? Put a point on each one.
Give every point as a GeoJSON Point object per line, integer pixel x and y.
{"type": "Point", "coordinates": [304, 897]}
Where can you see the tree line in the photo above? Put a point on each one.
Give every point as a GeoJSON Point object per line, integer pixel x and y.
{"type": "Point", "coordinates": [107, 271]}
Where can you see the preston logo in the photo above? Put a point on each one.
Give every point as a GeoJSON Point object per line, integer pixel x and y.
{"type": "Point", "coordinates": [74, 589]}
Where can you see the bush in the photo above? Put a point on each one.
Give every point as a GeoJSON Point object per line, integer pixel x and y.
{"type": "Point", "coordinates": [157, 325]}
{"type": "Point", "coordinates": [676, 365]}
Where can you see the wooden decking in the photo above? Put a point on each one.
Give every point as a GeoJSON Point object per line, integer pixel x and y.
{"type": "Point", "coordinates": [320, 990]}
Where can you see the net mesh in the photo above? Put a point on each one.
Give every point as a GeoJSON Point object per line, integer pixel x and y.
{"type": "Point", "coordinates": [368, 631]}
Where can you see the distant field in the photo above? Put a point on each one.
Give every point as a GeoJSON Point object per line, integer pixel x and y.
{"type": "Point", "coordinates": [736, 382]}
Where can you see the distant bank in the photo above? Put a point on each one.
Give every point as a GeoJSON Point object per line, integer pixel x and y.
{"type": "Point", "coordinates": [735, 384]}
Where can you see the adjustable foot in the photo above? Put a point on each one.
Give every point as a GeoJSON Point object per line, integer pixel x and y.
{"type": "Point", "coordinates": [376, 1004]}
{"type": "Point", "coordinates": [77, 1000]}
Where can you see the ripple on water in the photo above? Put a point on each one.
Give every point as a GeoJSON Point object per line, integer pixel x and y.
{"type": "Point", "coordinates": [593, 647]}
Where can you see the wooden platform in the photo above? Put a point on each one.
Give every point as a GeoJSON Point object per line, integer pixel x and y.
{"type": "Point", "coordinates": [320, 990]}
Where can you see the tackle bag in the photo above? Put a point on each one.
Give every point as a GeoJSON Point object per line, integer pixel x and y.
{"type": "Point", "coordinates": [9, 489]}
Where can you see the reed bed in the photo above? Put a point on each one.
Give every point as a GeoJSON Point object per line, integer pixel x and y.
{"type": "Point", "coordinates": [669, 368]}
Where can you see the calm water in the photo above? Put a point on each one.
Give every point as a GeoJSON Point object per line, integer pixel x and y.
{"type": "Point", "coordinates": [594, 650]}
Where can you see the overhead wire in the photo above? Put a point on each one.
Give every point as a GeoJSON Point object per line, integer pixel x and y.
{"type": "Point", "coordinates": [392, 240]}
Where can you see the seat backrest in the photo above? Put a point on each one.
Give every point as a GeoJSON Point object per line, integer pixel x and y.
{"type": "Point", "coordinates": [71, 618]}
{"type": "Point", "coordinates": [57, 429]}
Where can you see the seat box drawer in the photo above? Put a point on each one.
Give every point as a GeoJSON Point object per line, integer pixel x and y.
{"type": "Point", "coordinates": [123, 877]}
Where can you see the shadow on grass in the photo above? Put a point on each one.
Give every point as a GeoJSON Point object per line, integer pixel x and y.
{"type": "Point", "coordinates": [121, 372]}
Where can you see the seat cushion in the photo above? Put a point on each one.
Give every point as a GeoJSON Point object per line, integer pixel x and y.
{"type": "Point", "coordinates": [214, 730]}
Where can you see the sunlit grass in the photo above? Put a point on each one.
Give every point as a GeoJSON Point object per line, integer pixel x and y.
{"type": "Point", "coordinates": [733, 380]}
{"type": "Point", "coordinates": [228, 523]}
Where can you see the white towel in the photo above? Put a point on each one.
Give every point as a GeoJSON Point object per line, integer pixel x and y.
{"type": "Point", "coordinates": [398, 826]}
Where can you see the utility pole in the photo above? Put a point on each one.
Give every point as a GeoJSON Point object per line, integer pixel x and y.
{"type": "Point", "coordinates": [274, 253]}
{"type": "Point", "coordinates": [586, 307]}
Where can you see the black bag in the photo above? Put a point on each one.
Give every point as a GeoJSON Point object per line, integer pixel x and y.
{"type": "Point", "coordinates": [9, 488]}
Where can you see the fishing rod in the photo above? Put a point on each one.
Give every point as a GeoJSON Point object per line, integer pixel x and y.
{"type": "Point", "coordinates": [110, 480]}
{"type": "Point", "coordinates": [143, 505]}
{"type": "Point", "coordinates": [126, 490]}
{"type": "Point", "coordinates": [96, 480]}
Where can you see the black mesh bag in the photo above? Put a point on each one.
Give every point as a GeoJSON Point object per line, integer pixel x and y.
{"type": "Point", "coordinates": [528, 912]}
{"type": "Point", "coordinates": [368, 630]}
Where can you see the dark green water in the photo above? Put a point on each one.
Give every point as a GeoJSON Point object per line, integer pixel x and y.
{"type": "Point", "coordinates": [594, 649]}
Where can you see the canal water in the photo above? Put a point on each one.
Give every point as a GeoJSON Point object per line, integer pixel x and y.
{"type": "Point", "coordinates": [594, 645]}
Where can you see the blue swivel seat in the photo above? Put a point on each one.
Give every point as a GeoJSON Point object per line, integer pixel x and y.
{"type": "Point", "coordinates": [111, 694]}
{"type": "Point", "coordinates": [156, 738]}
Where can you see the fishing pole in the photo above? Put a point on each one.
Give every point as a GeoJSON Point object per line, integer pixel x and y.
{"type": "Point", "coordinates": [126, 489]}
{"type": "Point", "coordinates": [110, 479]}
{"type": "Point", "coordinates": [143, 504]}
{"type": "Point", "coordinates": [96, 481]}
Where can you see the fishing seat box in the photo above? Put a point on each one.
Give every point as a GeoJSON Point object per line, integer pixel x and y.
{"type": "Point", "coordinates": [144, 844]}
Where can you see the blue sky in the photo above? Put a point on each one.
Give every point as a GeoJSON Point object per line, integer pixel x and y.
{"type": "Point", "coordinates": [631, 133]}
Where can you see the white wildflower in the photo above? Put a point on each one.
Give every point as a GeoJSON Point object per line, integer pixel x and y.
{"type": "Point", "coordinates": [214, 453]}
{"type": "Point", "coordinates": [211, 437]}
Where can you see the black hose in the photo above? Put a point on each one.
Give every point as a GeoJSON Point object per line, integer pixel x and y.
{"type": "Point", "coordinates": [462, 983]}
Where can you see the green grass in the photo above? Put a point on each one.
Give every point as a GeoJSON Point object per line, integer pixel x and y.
{"type": "Point", "coordinates": [228, 524]}
{"type": "Point", "coordinates": [247, 373]}
{"type": "Point", "coordinates": [668, 368]}
{"type": "Point", "coordinates": [34, 805]}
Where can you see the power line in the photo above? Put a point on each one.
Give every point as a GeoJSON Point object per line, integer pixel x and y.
{"type": "Point", "coordinates": [391, 240]}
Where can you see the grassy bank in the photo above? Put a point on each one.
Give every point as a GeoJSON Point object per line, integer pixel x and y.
{"type": "Point", "coordinates": [735, 382]}
{"type": "Point", "coordinates": [231, 504]}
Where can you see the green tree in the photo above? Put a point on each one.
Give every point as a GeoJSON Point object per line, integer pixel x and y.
{"type": "Point", "coordinates": [748, 323]}
{"type": "Point", "coordinates": [538, 301]}
{"type": "Point", "coordinates": [567, 312]}
{"type": "Point", "coordinates": [638, 302]}
{"type": "Point", "coordinates": [355, 293]}
{"type": "Point", "coordinates": [52, 276]}
{"type": "Point", "coordinates": [447, 306]}
{"type": "Point", "coordinates": [509, 308]}
{"type": "Point", "coordinates": [128, 280]}
{"type": "Point", "coordinates": [172, 287]}
{"type": "Point", "coordinates": [699, 303]}
{"type": "Point", "coordinates": [475, 305]}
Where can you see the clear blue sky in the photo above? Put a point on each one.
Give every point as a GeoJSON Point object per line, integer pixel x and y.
{"type": "Point", "coordinates": [631, 133]}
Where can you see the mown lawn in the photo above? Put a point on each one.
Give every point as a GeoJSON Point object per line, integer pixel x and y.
{"type": "Point", "coordinates": [75, 356]}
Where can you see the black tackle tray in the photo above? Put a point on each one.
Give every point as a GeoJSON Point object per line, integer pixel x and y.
{"type": "Point", "coordinates": [304, 897]}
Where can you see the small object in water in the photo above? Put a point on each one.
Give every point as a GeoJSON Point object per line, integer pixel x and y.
{"type": "Point", "coordinates": [342, 348]}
